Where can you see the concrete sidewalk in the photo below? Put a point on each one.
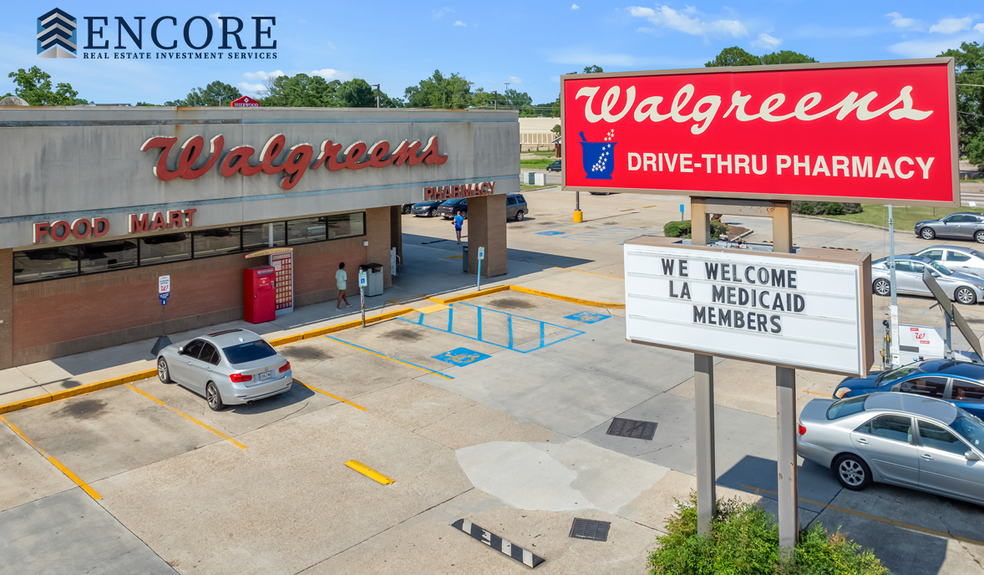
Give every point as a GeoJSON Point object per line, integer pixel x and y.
{"type": "Point", "coordinates": [428, 272]}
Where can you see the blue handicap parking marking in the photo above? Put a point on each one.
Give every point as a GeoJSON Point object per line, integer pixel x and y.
{"type": "Point", "coordinates": [461, 356]}
{"type": "Point", "coordinates": [550, 233]}
{"type": "Point", "coordinates": [587, 317]}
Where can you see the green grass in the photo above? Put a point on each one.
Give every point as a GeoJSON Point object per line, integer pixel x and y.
{"type": "Point", "coordinates": [905, 217]}
{"type": "Point", "coordinates": [528, 188]}
{"type": "Point", "coordinates": [537, 163]}
{"type": "Point", "coordinates": [542, 153]}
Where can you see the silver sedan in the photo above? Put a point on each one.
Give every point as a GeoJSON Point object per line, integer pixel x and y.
{"type": "Point", "coordinates": [956, 258]}
{"type": "Point", "coordinates": [897, 438]}
{"type": "Point", "coordinates": [964, 288]}
{"type": "Point", "coordinates": [228, 367]}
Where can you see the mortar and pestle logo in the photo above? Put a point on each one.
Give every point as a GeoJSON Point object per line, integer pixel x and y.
{"type": "Point", "coordinates": [598, 157]}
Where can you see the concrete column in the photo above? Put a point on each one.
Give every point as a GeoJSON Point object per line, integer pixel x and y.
{"type": "Point", "coordinates": [782, 227]}
{"type": "Point", "coordinates": [6, 309]}
{"type": "Point", "coordinates": [396, 231]}
{"type": "Point", "coordinates": [486, 227]}
{"type": "Point", "coordinates": [378, 236]}
{"type": "Point", "coordinates": [704, 396]}
{"type": "Point", "coordinates": [700, 222]}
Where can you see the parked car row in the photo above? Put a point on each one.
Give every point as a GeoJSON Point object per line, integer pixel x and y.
{"type": "Point", "coordinates": [516, 207]}
{"type": "Point", "coordinates": [959, 271]}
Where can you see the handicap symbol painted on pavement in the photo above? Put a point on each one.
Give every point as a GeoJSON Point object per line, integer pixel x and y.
{"type": "Point", "coordinates": [461, 356]}
{"type": "Point", "coordinates": [549, 233]}
{"type": "Point", "coordinates": [587, 317]}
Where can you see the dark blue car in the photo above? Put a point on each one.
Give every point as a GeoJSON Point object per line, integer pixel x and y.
{"type": "Point", "coordinates": [961, 383]}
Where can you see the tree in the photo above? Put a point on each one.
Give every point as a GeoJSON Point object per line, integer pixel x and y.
{"type": "Point", "coordinates": [734, 56]}
{"type": "Point", "coordinates": [556, 129]}
{"type": "Point", "coordinates": [358, 93]}
{"type": "Point", "coordinates": [969, 68]}
{"type": "Point", "coordinates": [438, 91]}
{"type": "Point", "coordinates": [215, 94]}
{"type": "Point", "coordinates": [34, 86]}
{"type": "Point", "coordinates": [787, 57]}
{"type": "Point", "coordinates": [593, 70]}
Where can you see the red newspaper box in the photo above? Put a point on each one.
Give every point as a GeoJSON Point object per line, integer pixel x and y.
{"type": "Point", "coordinates": [259, 302]}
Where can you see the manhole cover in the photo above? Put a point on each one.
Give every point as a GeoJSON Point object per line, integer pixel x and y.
{"type": "Point", "coordinates": [632, 428]}
{"type": "Point", "coordinates": [591, 530]}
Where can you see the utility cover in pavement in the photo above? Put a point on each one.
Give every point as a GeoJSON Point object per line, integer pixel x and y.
{"type": "Point", "coordinates": [498, 543]}
{"type": "Point", "coordinates": [590, 529]}
{"type": "Point", "coordinates": [632, 428]}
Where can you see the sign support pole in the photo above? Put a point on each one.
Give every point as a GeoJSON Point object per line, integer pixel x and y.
{"type": "Point", "coordinates": [787, 472]}
{"type": "Point", "coordinates": [893, 310]}
{"type": "Point", "coordinates": [704, 400]}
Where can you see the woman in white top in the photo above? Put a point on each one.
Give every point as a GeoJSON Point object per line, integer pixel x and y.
{"type": "Point", "coordinates": [341, 280]}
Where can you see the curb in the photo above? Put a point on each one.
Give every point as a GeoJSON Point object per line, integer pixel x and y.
{"type": "Point", "coordinates": [100, 385]}
{"type": "Point", "coordinates": [859, 224]}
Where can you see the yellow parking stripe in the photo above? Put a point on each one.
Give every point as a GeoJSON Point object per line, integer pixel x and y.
{"type": "Point", "coordinates": [757, 490]}
{"type": "Point", "coordinates": [189, 418]}
{"type": "Point", "coordinates": [816, 393]}
{"type": "Point", "coordinates": [430, 371]}
{"type": "Point", "coordinates": [312, 388]}
{"type": "Point", "coordinates": [369, 472]}
{"type": "Point", "coordinates": [590, 273]}
{"type": "Point", "coordinates": [432, 308]}
{"type": "Point", "coordinates": [75, 478]}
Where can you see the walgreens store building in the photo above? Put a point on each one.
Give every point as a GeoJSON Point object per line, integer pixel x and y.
{"type": "Point", "coordinates": [99, 203]}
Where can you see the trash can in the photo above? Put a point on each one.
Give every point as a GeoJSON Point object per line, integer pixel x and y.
{"type": "Point", "coordinates": [374, 277]}
{"type": "Point", "coordinates": [464, 258]}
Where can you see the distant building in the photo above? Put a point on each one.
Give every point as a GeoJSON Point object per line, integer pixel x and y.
{"type": "Point", "coordinates": [535, 134]}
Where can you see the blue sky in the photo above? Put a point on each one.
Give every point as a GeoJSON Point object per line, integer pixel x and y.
{"type": "Point", "coordinates": [528, 44]}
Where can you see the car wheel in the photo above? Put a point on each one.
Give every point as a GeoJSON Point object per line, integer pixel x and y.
{"type": "Point", "coordinates": [406, 209]}
{"type": "Point", "coordinates": [519, 216]}
{"type": "Point", "coordinates": [852, 472]}
{"type": "Point", "coordinates": [965, 295]}
{"type": "Point", "coordinates": [430, 213]}
{"type": "Point", "coordinates": [927, 233]}
{"type": "Point", "coordinates": [979, 236]}
{"type": "Point", "coordinates": [213, 398]}
{"type": "Point", "coordinates": [162, 371]}
{"type": "Point", "coordinates": [882, 287]}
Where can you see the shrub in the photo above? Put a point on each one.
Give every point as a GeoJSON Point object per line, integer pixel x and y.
{"type": "Point", "coordinates": [825, 208]}
{"type": "Point", "coordinates": [745, 540]}
{"type": "Point", "coordinates": [681, 229]}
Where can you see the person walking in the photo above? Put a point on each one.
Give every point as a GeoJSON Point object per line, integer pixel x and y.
{"type": "Point", "coordinates": [458, 221]}
{"type": "Point", "coordinates": [341, 281]}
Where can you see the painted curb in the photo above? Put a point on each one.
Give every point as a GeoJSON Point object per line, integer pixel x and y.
{"type": "Point", "coordinates": [578, 301]}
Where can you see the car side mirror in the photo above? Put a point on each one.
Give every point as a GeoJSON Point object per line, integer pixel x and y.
{"type": "Point", "coordinates": [972, 456]}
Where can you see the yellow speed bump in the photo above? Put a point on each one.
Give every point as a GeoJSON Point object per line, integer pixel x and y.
{"type": "Point", "coordinates": [370, 473]}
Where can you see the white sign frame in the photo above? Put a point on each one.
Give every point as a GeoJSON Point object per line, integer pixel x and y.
{"type": "Point", "coordinates": [827, 329]}
{"type": "Point", "coordinates": [163, 284]}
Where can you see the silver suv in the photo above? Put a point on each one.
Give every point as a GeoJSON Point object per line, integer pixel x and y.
{"type": "Point", "coordinates": [516, 207]}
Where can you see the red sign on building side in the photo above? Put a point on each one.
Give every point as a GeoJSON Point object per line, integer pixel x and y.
{"type": "Point", "coordinates": [244, 102]}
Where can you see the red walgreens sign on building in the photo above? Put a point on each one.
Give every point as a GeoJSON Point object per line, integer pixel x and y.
{"type": "Point", "coordinates": [868, 132]}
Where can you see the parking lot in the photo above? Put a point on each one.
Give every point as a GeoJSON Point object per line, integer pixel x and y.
{"type": "Point", "coordinates": [495, 410]}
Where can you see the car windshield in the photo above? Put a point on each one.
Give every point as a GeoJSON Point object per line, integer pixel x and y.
{"type": "Point", "coordinates": [896, 374]}
{"type": "Point", "coordinates": [846, 407]}
{"type": "Point", "coordinates": [882, 261]}
{"type": "Point", "coordinates": [453, 202]}
{"type": "Point", "coordinates": [977, 254]}
{"type": "Point", "coordinates": [942, 269]}
{"type": "Point", "coordinates": [249, 351]}
{"type": "Point", "coordinates": [970, 427]}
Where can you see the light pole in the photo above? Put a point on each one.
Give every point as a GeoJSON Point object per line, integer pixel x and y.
{"type": "Point", "coordinates": [377, 93]}
{"type": "Point", "coordinates": [495, 100]}
{"type": "Point", "coordinates": [507, 93]}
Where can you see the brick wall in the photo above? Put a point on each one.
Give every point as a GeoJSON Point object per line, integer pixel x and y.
{"type": "Point", "coordinates": [63, 317]}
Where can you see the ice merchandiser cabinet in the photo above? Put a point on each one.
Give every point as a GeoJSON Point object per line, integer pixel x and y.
{"type": "Point", "coordinates": [259, 295]}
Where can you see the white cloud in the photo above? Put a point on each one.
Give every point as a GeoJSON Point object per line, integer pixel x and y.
{"type": "Point", "coordinates": [331, 74]}
{"type": "Point", "coordinates": [460, 23]}
{"type": "Point", "coordinates": [953, 25]}
{"type": "Point", "coordinates": [901, 22]}
{"type": "Point", "coordinates": [330, 45]}
{"type": "Point", "coordinates": [980, 28]}
{"type": "Point", "coordinates": [929, 47]}
{"type": "Point", "coordinates": [514, 80]}
{"type": "Point", "coordinates": [767, 41]}
{"type": "Point", "coordinates": [575, 7]}
{"type": "Point", "coordinates": [666, 17]}
{"type": "Point", "coordinates": [261, 75]}
{"type": "Point", "coordinates": [250, 88]}
{"type": "Point", "coordinates": [216, 18]}
{"type": "Point", "coordinates": [442, 12]}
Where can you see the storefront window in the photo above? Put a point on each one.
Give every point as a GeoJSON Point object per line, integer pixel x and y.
{"type": "Point", "coordinates": [257, 236]}
{"type": "Point", "coordinates": [163, 249]}
{"type": "Point", "coordinates": [216, 242]}
{"type": "Point", "coordinates": [306, 230]}
{"type": "Point", "coordinates": [346, 225]}
{"type": "Point", "coordinates": [108, 256]}
{"type": "Point", "coordinates": [45, 264]}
